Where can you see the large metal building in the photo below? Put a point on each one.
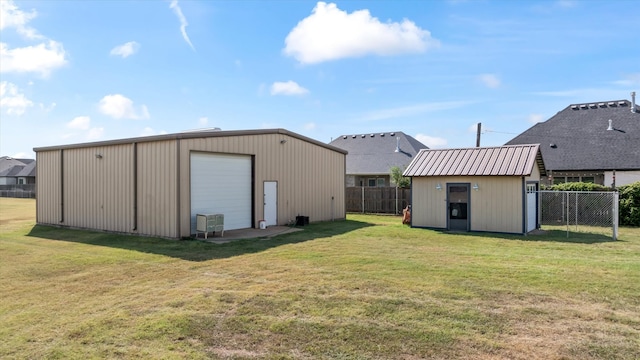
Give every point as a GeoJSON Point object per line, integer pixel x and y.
{"type": "Point", "coordinates": [157, 185]}
{"type": "Point", "coordinates": [491, 189]}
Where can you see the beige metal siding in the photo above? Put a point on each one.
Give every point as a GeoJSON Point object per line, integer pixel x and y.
{"type": "Point", "coordinates": [48, 204]}
{"type": "Point", "coordinates": [158, 189]}
{"type": "Point", "coordinates": [98, 191]}
{"type": "Point", "coordinates": [308, 175]}
{"type": "Point", "coordinates": [497, 205]}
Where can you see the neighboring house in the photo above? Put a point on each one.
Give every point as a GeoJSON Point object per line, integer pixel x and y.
{"type": "Point", "coordinates": [477, 189]}
{"type": "Point", "coordinates": [371, 156]}
{"type": "Point", "coordinates": [595, 142]}
{"type": "Point", "coordinates": [17, 171]}
{"type": "Point", "coordinates": [157, 185]}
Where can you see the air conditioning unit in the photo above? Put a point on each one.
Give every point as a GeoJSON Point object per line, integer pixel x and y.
{"type": "Point", "coordinates": [209, 223]}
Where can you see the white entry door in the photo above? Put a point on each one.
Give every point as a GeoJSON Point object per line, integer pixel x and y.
{"type": "Point", "coordinates": [532, 209]}
{"type": "Point", "coordinates": [271, 203]}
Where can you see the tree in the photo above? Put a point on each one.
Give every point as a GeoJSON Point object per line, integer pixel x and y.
{"type": "Point", "coordinates": [398, 179]}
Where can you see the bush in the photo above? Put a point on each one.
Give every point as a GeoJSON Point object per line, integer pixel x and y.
{"type": "Point", "coordinates": [629, 208]}
{"type": "Point", "coordinates": [578, 186]}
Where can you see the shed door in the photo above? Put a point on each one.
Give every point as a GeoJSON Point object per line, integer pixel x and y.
{"type": "Point", "coordinates": [221, 184]}
{"type": "Point", "coordinates": [532, 208]}
{"type": "Point", "coordinates": [458, 206]}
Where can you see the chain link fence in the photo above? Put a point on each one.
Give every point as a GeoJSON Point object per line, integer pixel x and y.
{"type": "Point", "coordinates": [18, 191]}
{"type": "Point", "coordinates": [580, 211]}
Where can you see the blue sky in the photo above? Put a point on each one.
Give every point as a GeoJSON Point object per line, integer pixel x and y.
{"type": "Point", "coordinates": [81, 71]}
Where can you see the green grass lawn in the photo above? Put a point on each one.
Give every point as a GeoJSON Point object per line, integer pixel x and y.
{"type": "Point", "coordinates": [365, 288]}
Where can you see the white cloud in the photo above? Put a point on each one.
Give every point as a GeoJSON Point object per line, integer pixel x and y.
{"type": "Point", "coordinates": [183, 21]}
{"type": "Point", "coordinates": [95, 133]}
{"type": "Point", "coordinates": [310, 126]}
{"type": "Point", "coordinates": [412, 110]}
{"type": "Point", "coordinates": [79, 122]}
{"type": "Point", "coordinates": [535, 118]}
{"type": "Point", "coordinates": [12, 17]}
{"type": "Point", "coordinates": [41, 58]}
{"type": "Point", "coordinates": [203, 121]}
{"type": "Point", "coordinates": [126, 49]}
{"type": "Point", "coordinates": [12, 100]}
{"type": "Point", "coordinates": [431, 141]}
{"type": "Point", "coordinates": [21, 155]}
{"type": "Point", "coordinates": [287, 88]}
{"type": "Point", "coordinates": [150, 132]}
{"type": "Point", "coordinates": [121, 107]}
{"type": "Point", "coordinates": [629, 80]}
{"type": "Point", "coordinates": [489, 80]}
{"type": "Point", "coordinates": [330, 33]}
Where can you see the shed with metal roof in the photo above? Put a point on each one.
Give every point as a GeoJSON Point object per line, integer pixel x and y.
{"type": "Point", "coordinates": [157, 185]}
{"type": "Point", "coordinates": [491, 189]}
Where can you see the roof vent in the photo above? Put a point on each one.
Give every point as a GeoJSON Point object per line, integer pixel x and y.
{"type": "Point", "coordinates": [633, 102]}
{"type": "Point", "coordinates": [593, 106]}
{"type": "Point", "coordinates": [372, 135]}
{"type": "Point", "coordinates": [583, 106]}
{"type": "Point", "coordinates": [610, 125]}
{"type": "Point", "coordinates": [392, 134]}
{"type": "Point", "coordinates": [353, 136]}
{"type": "Point", "coordinates": [611, 103]}
{"type": "Point", "coordinates": [344, 137]}
{"type": "Point", "coordinates": [574, 107]}
{"type": "Point", "coordinates": [622, 103]}
{"type": "Point", "coordinates": [363, 135]}
{"type": "Point", "coordinates": [397, 144]}
{"type": "Point", "coordinates": [602, 105]}
{"type": "Point", "coordinates": [381, 134]}
{"type": "Point", "coordinates": [553, 146]}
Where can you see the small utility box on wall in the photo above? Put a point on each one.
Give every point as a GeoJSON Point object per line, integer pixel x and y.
{"type": "Point", "coordinates": [209, 224]}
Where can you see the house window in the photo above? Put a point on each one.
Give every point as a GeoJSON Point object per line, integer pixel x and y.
{"type": "Point", "coordinates": [588, 179]}
{"type": "Point", "coordinates": [573, 179]}
{"type": "Point", "coordinates": [372, 182]}
{"type": "Point", "coordinates": [20, 181]}
{"type": "Point", "coordinates": [558, 180]}
{"type": "Point", "coordinates": [380, 181]}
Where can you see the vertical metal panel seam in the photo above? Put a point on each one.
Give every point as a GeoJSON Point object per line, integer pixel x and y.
{"type": "Point", "coordinates": [61, 185]}
{"type": "Point", "coordinates": [135, 186]}
{"type": "Point", "coordinates": [178, 214]}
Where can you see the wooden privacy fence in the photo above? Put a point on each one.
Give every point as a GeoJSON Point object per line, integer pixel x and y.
{"type": "Point", "coordinates": [377, 199]}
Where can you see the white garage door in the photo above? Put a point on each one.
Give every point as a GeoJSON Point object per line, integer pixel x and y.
{"type": "Point", "coordinates": [221, 184]}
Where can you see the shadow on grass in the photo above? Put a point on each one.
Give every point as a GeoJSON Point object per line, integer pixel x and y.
{"type": "Point", "coordinates": [543, 236]}
{"type": "Point", "coordinates": [195, 250]}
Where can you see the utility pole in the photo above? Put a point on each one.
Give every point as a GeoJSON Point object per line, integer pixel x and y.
{"type": "Point", "coordinates": [478, 136]}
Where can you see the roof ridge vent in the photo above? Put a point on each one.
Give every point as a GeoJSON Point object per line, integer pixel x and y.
{"type": "Point", "coordinates": [611, 103]}
{"type": "Point", "coordinates": [622, 103]}
{"type": "Point", "coordinates": [583, 106]}
{"type": "Point", "coordinates": [602, 104]}
{"type": "Point", "coordinates": [574, 107]}
{"type": "Point", "coordinates": [593, 106]}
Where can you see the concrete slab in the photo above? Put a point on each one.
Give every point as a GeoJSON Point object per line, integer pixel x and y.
{"type": "Point", "coordinates": [250, 233]}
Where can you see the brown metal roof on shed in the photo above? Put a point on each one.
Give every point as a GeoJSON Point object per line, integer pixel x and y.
{"type": "Point", "coordinates": [515, 160]}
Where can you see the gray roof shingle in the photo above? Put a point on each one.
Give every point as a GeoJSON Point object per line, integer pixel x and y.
{"type": "Point", "coordinates": [374, 153]}
{"type": "Point", "coordinates": [577, 138]}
